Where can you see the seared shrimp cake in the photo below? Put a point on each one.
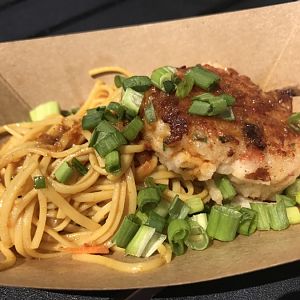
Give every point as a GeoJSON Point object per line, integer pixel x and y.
{"type": "Point", "coordinates": [257, 150]}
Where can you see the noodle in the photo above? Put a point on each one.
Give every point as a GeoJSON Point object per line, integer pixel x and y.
{"type": "Point", "coordinates": [43, 223]}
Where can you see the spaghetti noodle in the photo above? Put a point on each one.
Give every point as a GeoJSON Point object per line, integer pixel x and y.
{"type": "Point", "coordinates": [86, 212]}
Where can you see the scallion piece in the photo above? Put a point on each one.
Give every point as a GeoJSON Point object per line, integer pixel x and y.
{"type": "Point", "coordinates": [127, 230]}
{"type": "Point", "coordinates": [63, 173]}
{"type": "Point", "coordinates": [78, 166]}
{"type": "Point", "coordinates": [140, 240]}
{"type": "Point", "coordinates": [169, 86]}
{"type": "Point", "coordinates": [150, 115]}
{"type": "Point", "coordinates": [199, 108]}
{"type": "Point", "coordinates": [217, 106]}
{"type": "Point", "coordinates": [288, 201]}
{"type": "Point", "coordinates": [263, 218]}
{"type": "Point", "coordinates": [148, 198]}
{"type": "Point", "coordinates": [39, 182]}
{"type": "Point", "coordinates": [227, 189]}
{"type": "Point", "coordinates": [293, 189]}
{"type": "Point", "coordinates": [227, 114]}
{"type": "Point", "coordinates": [154, 243]}
{"type": "Point", "coordinates": [201, 219]}
{"type": "Point", "coordinates": [198, 238]}
{"type": "Point", "coordinates": [278, 216]}
{"type": "Point", "coordinates": [223, 223]}
{"type": "Point", "coordinates": [156, 221]}
{"type": "Point", "coordinates": [162, 208]}
{"type": "Point", "coordinates": [297, 198]}
{"type": "Point", "coordinates": [142, 217]}
{"type": "Point", "coordinates": [293, 215]}
{"type": "Point", "coordinates": [118, 80]}
{"type": "Point", "coordinates": [195, 204]}
{"type": "Point", "coordinates": [137, 83]}
{"type": "Point", "coordinates": [178, 231]}
{"type": "Point", "coordinates": [113, 162]}
{"type": "Point", "coordinates": [230, 100]}
{"type": "Point", "coordinates": [109, 142]}
{"type": "Point", "coordinates": [178, 209]}
{"type": "Point", "coordinates": [294, 121]}
{"type": "Point", "coordinates": [204, 97]}
{"type": "Point", "coordinates": [44, 110]}
{"type": "Point", "coordinates": [203, 78]}
{"type": "Point", "coordinates": [92, 118]}
{"type": "Point", "coordinates": [149, 182]}
{"type": "Point", "coordinates": [106, 127]}
{"type": "Point", "coordinates": [114, 112]}
{"type": "Point", "coordinates": [248, 222]}
{"type": "Point", "coordinates": [132, 101]}
{"type": "Point", "coordinates": [163, 78]}
{"type": "Point", "coordinates": [185, 86]}
{"type": "Point", "coordinates": [133, 128]}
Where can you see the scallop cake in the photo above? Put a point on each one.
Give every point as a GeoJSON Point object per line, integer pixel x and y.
{"type": "Point", "coordinates": [258, 150]}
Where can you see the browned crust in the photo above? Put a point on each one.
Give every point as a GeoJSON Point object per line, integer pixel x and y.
{"type": "Point", "coordinates": [261, 117]}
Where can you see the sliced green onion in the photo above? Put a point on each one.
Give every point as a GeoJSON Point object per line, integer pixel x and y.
{"type": "Point", "coordinates": [109, 142]}
{"type": "Point", "coordinates": [263, 218]}
{"type": "Point", "coordinates": [106, 127]}
{"type": "Point", "coordinates": [204, 97]}
{"type": "Point", "coordinates": [149, 182]}
{"type": "Point", "coordinates": [185, 86]}
{"type": "Point", "coordinates": [44, 110]}
{"type": "Point", "coordinates": [278, 216]}
{"type": "Point", "coordinates": [142, 217]}
{"type": "Point", "coordinates": [248, 221]}
{"type": "Point", "coordinates": [113, 162]}
{"type": "Point", "coordinates": [156, 221]}
{"type": "Point", "coordinates": [127, 230]}
{"type": "Point", "coordinates": [204, 78]}
{"type": "Point", "coordinates": [132, 101]}
{"type": "Point", "coordinates": [288, 201]}
{"type": "Point", "coordinates": [78, 166]}
{"type": "Point", "coordinates": [293, 189]}
{"type": "Point", "coordinates": [137, 83]}
{"type": "Point", "coordinates": [227, 189]}
{"type": "Point", "coordinates": [178, 209]}
{"type": "Point", "coordinates": [150, 113]}
{"type": "Point", "coordinates": [201, 219]}
{"type": "Point", "coordinates": [133, 128]}
{"type": "Point", "coordinates": [140, 240]}
{"type": "Point", "coordinates": [293, 215]}
{"type": "Point", "coordinates": [93, 138]}
{"type": "Point", "coordinates": [118, 80]}
{"type": "Point", "coordinates": [195, 204]}
{"type": "Point", "coordinates": [198, 238]}
{"type": "Point", "coordinates": [63, 173]}
{"type": "Point", "coordinates": [230, 100]}
{"type": "Point", "coordinates": [163, 78]}
{"type": "Point", "coordinates": [169, 86]}
{"type": "Point", "coordinates": [92, 118]}
{"type": "Point", "coordinates": [217, 106]}
{"type": "Point", "coordinates": [154, 243]}
{"type": "Point", "coordinates": [39, 182]}
{"type": "Point", "coordinates": [148, 198]}
{"type": "Point", "coordinates": [162, 208]}
{"type": "Point", "coordinates": [294, 121]}
{"type": "Point", "coordinates": [178, 231]}
{"type": "Point", "coordinates": [199, 108]}
{"type": "Point", "coordinates": [297, 197]}
{"type": "Point", "coordinates": [114, 112]}
{"type": "Point", "coordinates": [223, 223]}
{"type": "Point", "coordinates": [227, 114]}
